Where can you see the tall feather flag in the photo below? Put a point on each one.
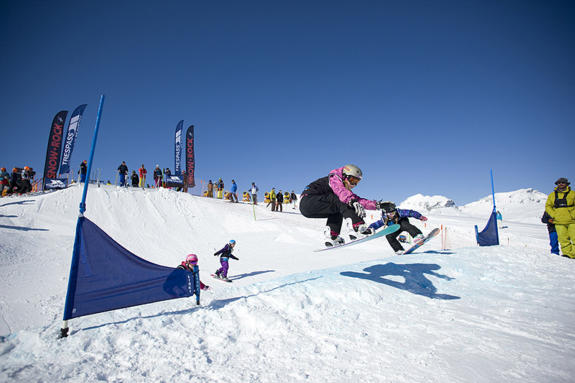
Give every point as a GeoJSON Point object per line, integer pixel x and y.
{"type": "Point", "coordinates": [178, 149]}
{"type": "Point", "coordinates": [70, 139]}
{"type": "Point", "coordinates": [54, 147]}
{"type": "Point", "coordinates": [190, 160]}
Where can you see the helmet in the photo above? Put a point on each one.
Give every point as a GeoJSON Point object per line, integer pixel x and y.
{"type": "Point", "coordinates": [192, 258]}
{"type": "Point", "coordinates": [387, 206]}
{"type": "Point", "coordinates": [232, 242]}
{"type": "Point", "coordinates": [26, 168]}
{"type": "Point", "coordinates": [353, 171]}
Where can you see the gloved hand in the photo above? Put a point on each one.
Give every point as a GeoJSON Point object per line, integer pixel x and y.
{"type": "Point", "coordinates": [359, 210]}
{"type": "Point", "coordinates": [423, 218]}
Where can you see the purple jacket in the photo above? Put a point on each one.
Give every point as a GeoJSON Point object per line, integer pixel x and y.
{"type": "Point", "coordinates": [401, 213]}
{"type": "Point", "coordinates": [344, 195]}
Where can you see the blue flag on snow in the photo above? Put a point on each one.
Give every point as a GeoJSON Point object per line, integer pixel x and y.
{"type": "Point", "coordinates": [490, 235]}
{"type": "Point", "coordinates": [70, 139]}
{"type": "Point", "coordinates": [105, 276]}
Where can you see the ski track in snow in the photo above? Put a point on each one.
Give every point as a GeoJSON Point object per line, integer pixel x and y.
{"type": "Point", "coordinates": [465, 314]}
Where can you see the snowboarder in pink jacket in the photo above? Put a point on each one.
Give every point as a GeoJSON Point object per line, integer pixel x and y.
{"type": "Point", "coordinates": [331, 197]}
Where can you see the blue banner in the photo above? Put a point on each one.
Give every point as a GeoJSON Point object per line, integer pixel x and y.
{"type": "Point", "coordinates": [70, 139]}
{"type": "Point", "coordinates": [178, 149]}
{"type": "Point", "coordinates": [105, 276]}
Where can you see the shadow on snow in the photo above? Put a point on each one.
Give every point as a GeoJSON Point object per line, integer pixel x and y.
{"type": "Point", "coordinates": [415, 275]}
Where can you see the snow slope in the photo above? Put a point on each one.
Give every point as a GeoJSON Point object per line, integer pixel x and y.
{"type": "Point", "coordinates": [465, 314]}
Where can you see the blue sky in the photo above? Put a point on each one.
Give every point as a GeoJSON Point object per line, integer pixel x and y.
{"type": "Point", "coordinates": [425, 96]}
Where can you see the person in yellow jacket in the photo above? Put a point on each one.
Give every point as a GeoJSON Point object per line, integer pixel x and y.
{"type": "Point", "coordinates": [560, 206]}
{"type": "Point", "coordinates": [272, 196]}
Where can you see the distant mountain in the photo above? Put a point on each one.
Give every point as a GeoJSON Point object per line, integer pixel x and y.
{"type": "Point", "coordinates": [422, 202]}
{"type": "Point", "coordinates": [523, 205]}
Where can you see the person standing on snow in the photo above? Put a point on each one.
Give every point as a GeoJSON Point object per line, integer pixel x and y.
{"type": "Point", "coordinates": [158, 176]}
{"type": "Point", "coordinates": [254, 191]}
{"type": "Point", "coordinates": [225, 254]}
{"type": "Point", "coordinates": [391, 215]}
{"type": "Point", "coordinates": [83, 171]}
{"type": "Point", "coordinates": [560, 206]}
{"type": "Point", "coordinates": [331, 197]}
{"type": "Point", "coordinates": [123, 171]}
{"type": "Point", "coordinates": [279, 201]}
{"type": "Point", "coordinates": [234, 191]}
{"type": "Point", "coordinates": [553, 241]}
{"type": "Point", "coordinates": [143, 173]}
{"type": "Point", "coordinates": [135, 179]}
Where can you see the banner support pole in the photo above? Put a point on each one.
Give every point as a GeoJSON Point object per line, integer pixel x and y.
{"type": "Point", "coordinates": [71, 279]}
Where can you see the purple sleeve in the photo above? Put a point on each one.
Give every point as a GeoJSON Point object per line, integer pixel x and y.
{"type": "Point", "coordinates": [344, 195]}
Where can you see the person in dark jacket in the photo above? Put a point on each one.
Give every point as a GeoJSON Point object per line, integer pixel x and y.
{"type": "Point", "coordinates": [331, 197]}
{"type": "Point", "coordinates": [391, 215]}
{"type": "Point", "coordinates": [135, 179]}
{"type": "Point", "coordinates": [553, 239]}
{"type": "Point", "coordinates": [158, 176]}
{"type": "Point", "coordinates": [123, 171]}
{"type": "Point", "coordinates": [225, 254]}
{"type": "Point", "coordinates": [279, 201]}
{"type": "Point", "coordinates": [83, 171]}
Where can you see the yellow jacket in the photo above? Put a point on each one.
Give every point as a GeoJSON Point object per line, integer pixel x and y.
{"type": "Point", "coordinates": [273, 194]}
{"type": "Point", "coordinates": [561, 215]}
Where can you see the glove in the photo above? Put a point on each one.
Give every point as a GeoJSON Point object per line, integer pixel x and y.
{"type": "Point", "coordinates": [359, 210]}
{"type": "Point", "coordinates": [423, 218]}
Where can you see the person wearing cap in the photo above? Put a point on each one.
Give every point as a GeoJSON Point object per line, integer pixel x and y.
{"type": "Point", "coordinates": [560, 206]}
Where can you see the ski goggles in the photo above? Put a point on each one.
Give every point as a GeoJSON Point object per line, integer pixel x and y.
{"type": "Point", "coordinates": [353, 180]}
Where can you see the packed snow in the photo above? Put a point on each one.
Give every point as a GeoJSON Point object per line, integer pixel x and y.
{"type": "Point", "coordinates": [450, 312]}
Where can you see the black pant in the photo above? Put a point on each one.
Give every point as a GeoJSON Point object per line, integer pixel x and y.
{"type": "Point", "coordinates": [404, 226]}
{"type": "Point", "coordinates": [330, 207]}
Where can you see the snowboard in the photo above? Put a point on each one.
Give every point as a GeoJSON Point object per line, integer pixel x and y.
{"type": "Point", "coordinates": [386, 231]}
{"type": "Point", "coordinates": [429, 236]}
{"type": "Point", "coordinates": [220, 279]}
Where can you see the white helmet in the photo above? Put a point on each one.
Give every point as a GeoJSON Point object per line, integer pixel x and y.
{"type": "Point", "coordinates": [353, 171]}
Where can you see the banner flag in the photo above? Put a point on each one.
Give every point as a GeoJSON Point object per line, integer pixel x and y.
{"type": "Point", "coordinates": [178, 151]}
{"type": "Point", "coordinates": [70, 139]}
{"type": "Point", "coordinates": [190, 161]}
{"type": "Point", "coordinates": [54, 147]}
{"type": "Point", "coordinates": [489, 236]}
{"type": "Point", "coordinates": [105, 276]}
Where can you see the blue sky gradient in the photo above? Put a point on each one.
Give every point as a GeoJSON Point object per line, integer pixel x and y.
{"type": "Point", "coordinates": [425, 96]}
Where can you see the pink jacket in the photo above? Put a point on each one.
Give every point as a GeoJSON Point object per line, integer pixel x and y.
{"type": "Point", "coordinates": [344, 195]}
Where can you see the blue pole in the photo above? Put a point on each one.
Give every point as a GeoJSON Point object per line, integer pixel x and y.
{"type": "Point", "coordinates": [83, 203]}
{"type": "Point", "coordinates": [493, 190]}
{"type": "Point", "coordinates": [75, 253]}
{"type": "Point", "coordinates": [494, 207]}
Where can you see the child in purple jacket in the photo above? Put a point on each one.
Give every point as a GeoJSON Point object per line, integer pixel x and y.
{"type": "Point", "coordinates": [225, 254]}
{"type": "Point", "coordinates": [390, 215]}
